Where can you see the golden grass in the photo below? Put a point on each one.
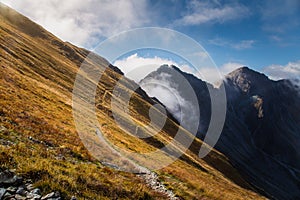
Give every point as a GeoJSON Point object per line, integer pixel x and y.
{"type": "Point", "coordinates": [60, 169]}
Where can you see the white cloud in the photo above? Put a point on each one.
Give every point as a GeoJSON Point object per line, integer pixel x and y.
{"type": "Point", "coordinates": [209, 12]}
{"type": "Point", "coordinates": [275, 8]}
{"type": "Point", "coordinates": [243, 44]}
{"type": "Point", "coordinates": [166, 90]}
{"type": "Point", "coordinates": [229, 67]}
{"type": "Point", "coordinates": [215, 75]}
{"type": "Point", "coordinates": [136, 67]}
{"type": "Point", "coordinates": [288, 71]}
{"type": "Point", "coordinates": [201, 54]}
{"type": "Point", "coordinates": [279, 16]}
{"type": "Point", "coordinates": [83, 22]}
{"type": "Point", "coordinates": [276, 38]}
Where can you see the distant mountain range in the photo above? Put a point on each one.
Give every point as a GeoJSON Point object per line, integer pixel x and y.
{"type": "Point", "coordinates": [261, 135]}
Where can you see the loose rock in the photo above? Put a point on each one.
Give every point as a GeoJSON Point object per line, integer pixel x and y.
{"type": "Point", "coordinates": [12, 188]}
{"type": "Point", "coordinates": [151, 179]}
{"type": "Point", "coordinates": [2, 192]}
{"type": "Point", "coordinates": [29, 186]}
{"type": "Point", "coordinates": [52, 195]}
{"type": "Point", "coordinates": [19, 197]}
{"type": "Point", "coordinates": [21, 191]}
{"type": "Point", "coordinates": [36, 191]}
{"type": "Point", "coordinates": [8, 178]}
{"type": "Point", "coordinates": [8, 196]}
{"type": "Point", "coordinates": [33, 196]}
{"type": "Point", "coordinates": [73, 198]}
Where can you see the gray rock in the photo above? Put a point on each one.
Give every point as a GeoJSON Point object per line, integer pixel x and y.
{"type": "Point", "coordinates": [57, 194]}
{"type": "Point", "coordinates": [2, 192]}
{"type": "Point", "coordinates": [29, 195]}
{"type": "Point", "coordinates": [21, 191]}
{"type": "Point", "coordinates": [29, 187]}
{"type": "Point", "coordinates": [48, 196]}
{"type": "Point", "coordinates": [19, 197]}
{"type": "Point", "coordinates": [12, 189]}
{"type": "Point", "coordinates": [8, 196]}
{"type": "Point", "coordinates": [36, 191]}
{"type": "Point", "coordinates": [28, 181]}
{"type": "Point", "coordinates": [8, 178]}
{"type": "Point", "coordinates": [33, 196]}
{"type": "Point", "coordinates": [36, 197]}
{"type": "Point", "coordinates": [73, 198]}
{"type": "Point", "coordinates": [51, 196]}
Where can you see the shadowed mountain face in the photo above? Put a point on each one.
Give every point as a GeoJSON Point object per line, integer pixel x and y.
{"type": "Point", "coordinates": [266, 114]}
{"type": "Point", "coordinates": [270, 110]}
{"type": "Point", "coordinates": [159, 83]}
{"type": "Point", "coordinates": [261, 135]}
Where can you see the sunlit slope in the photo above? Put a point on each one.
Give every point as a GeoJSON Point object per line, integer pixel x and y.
{"type": "Point", "coordinates": [37, 73]}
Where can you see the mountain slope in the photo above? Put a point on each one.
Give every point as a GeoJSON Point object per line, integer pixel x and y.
{"type": "Point", "coordinates": [39, 139]}
{"type": "Point", "coordinates": [261, 131]}
{"type": "Point", "coordinates": [268, 112]}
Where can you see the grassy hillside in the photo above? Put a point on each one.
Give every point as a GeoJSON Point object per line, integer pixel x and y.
{"type": "Point", "coordinates": [39, 139]}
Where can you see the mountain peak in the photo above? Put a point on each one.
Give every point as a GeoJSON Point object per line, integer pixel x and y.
{"type": "Point", "coordinates": [246, 71]}
{"type": "Point", "coordinates": [246, 78]}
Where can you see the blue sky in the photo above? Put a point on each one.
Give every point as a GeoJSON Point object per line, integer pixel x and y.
{"type": "Point", "coordinates": [262, 34]}
{"type": "Point", "coordinates": [257, 33]}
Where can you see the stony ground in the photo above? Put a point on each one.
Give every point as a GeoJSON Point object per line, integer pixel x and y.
{"type": "Point", "coordinates": [13, 187]}
{"type": "Point", "coordinates": [151, 179]}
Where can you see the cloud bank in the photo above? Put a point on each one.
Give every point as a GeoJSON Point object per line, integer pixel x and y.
{"type": "Point", "coordinates": [202, 12]}
{"type": "Point", "coordinates": [83, 23]}
{"type": "Point", "coordinates": [164, 87]}
{"type": "Point", "coordinates": [288, 71]}
{"type": "Point", "coordinates": [240, 45]}
{"type": "Point", "coordinates": [279, 16]}
{"type": "Point", "coordinates": [137, 67]}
